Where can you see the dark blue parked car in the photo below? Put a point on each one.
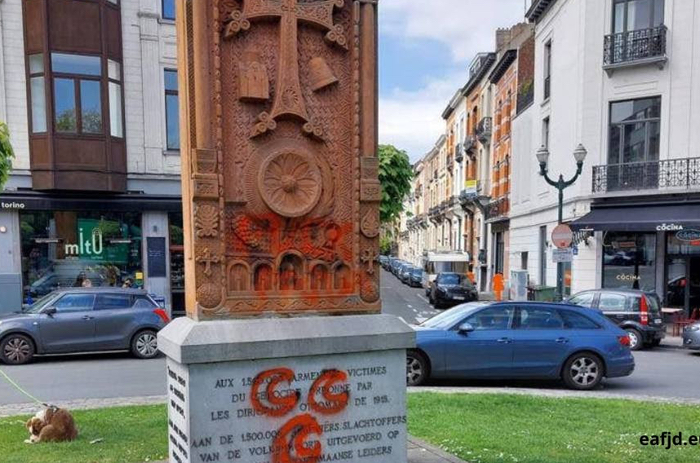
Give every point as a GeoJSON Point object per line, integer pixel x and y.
{"type": "Point", "coordinates": [518, 340]}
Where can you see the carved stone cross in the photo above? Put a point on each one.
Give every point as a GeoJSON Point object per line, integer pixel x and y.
{"type": "Point", "coordinates": [369, 258]}
{"type": "Point", "coordinates": [207, 259]}
{"type": "Point", "coordinates": [289, 100]}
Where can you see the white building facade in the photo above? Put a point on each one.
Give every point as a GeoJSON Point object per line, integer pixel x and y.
{"type": "Point", "coordinates": [623, 79]}
{"type": "Point", "coordinates": [83, 90]}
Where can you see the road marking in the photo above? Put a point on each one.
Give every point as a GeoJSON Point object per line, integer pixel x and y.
{"type": "Point", "coordinates": [422, 298]}
{"type": "Point", "coordinates": [410, 306]}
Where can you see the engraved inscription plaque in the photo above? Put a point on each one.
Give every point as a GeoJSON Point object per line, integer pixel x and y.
{"type": "Point", "coordinates": [280, 189]}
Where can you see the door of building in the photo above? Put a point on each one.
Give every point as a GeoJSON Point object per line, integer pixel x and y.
{"type": "Point", "coordinates": [683, 283]}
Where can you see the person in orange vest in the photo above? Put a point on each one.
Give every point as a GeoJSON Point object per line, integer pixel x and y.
{"type": "Point", "coordinates": [498, 286]}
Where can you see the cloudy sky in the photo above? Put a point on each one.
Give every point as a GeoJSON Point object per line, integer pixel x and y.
{"type": "Point", "coordinates": [425, 49]}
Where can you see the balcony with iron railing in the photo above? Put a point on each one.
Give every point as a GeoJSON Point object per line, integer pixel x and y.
{"type": "Point", "coordinates": [469, 144]}
{"type": "Point", "coordinates": [484, 129]}
{"type": "Point", "coordinates": [499, 209]}
{"type": "Point", "coordinates": [671, 174]}
{"type": "Point", "coordinates": [459, 152]}
{"type": "Point", "coordinates": [643, 46]}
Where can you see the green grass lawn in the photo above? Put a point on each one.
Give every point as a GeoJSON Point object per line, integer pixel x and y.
{"type": "Point", "coordinates": [130, 435]}
{"type": "Point", "coordinates": [481, 428]}
{"type": "Point", "coordinates": [526, 429]}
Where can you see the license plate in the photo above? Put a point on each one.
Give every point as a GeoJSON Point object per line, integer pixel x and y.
{"type": "Point", "coordinates": [658, 321]}
{"type": "Point", "coordinates": [460, 298]}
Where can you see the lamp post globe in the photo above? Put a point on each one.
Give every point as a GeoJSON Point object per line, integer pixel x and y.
{"type": "Point", "coordinates": [543, 155]}
{"type": "Point", "coordinates": [580, 154]}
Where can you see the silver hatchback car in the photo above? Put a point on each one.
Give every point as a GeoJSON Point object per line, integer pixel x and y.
{"type": "Point", "coordinates": [691, 337]}
{"type": "Point", "coordinates": [76, 320]}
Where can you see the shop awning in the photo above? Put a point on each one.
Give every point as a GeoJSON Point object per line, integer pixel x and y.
{"type": "Point", "coordinates": [641, 218]}
{"type": "Point", "coordinates": [35, 201]}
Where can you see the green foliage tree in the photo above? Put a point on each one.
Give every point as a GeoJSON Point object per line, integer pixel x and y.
{"type": "Point", "coordinates": [395, 175]}
{"type": "Point", "coordinates": [7, 154]}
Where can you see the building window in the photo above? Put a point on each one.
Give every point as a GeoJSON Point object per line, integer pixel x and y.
{"type": "Point", "coordinates": [629, 261]}
{"type": "Point", "coordinates": [77, 93]}
{"type": "Point", "coordinates": [545, 132]}
{"type": "Point", "coordinates": [172, 113]}
{"type": "Point", "coordinates": [116, 114]}
{"type": "Point", "coordinates": [37, 92]}
{"type": "Point", "coordinates": [169, 9]}
{"type": "Point", "coordinates": [635, 131]}
{"type": "Point", "coordinates": [547, 69]}
{"type": "Point", "coordinates": [63, 249]}
{"type": "Point", "coordinates": [634, 15]}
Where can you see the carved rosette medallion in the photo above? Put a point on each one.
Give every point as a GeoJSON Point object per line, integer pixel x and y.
{"type": "Point", "coordinates": [290, 184]}
{"type": "Point", "coordinates": [209, 296]}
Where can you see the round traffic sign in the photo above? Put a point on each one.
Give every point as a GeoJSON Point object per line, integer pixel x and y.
{"type": "Point", "coordinates": [562, 236]}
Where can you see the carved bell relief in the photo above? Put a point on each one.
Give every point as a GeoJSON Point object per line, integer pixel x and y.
{"type": "Point", "coordinates": [321, 74]}
{"type": "Point", "coordinates": [254, 82]}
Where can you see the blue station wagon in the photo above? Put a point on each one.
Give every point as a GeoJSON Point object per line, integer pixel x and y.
{"type": "Point", "coordinates": [520, 341]}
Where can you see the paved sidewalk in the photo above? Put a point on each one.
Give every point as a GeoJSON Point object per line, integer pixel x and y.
{"type": "Point", "coordinates": [422, 452]}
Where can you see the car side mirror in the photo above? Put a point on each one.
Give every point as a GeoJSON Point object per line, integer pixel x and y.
{"type": "Point", "coordinates": [50, 311]}
{"type": "Point", "coordinates": [465, 328]}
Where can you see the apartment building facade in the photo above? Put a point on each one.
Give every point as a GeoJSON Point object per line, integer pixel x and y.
{"type": "Point", "coordinates": [621, 77]}
{"type": "Point", "coordinates": [89, 91]}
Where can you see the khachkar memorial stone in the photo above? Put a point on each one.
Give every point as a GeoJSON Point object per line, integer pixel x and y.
{"type": "Point", "coordinates": [284, 356]}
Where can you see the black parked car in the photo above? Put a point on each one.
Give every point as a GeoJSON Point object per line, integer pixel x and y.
{"type": "Point", "coordinates": [450, 289]}
{"type": "Point", "coordinates": [635, 311]}
{"type": "Point", "coordinates": [416, 278]}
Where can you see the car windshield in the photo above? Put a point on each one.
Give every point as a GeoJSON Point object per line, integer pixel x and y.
{"type": "Point", "coordinates": [454, 279]}
{"type": "Point", "coordinates": [449, 318]}
{"type": "Point", "coordinates": [41, 303]}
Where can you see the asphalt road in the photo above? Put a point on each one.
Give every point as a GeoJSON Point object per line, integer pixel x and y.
{"type": "Point", "coordinates": [664, 372]}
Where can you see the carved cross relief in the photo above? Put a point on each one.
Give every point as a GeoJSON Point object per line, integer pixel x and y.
{"type": "Point", "coordinates": [289, 100]}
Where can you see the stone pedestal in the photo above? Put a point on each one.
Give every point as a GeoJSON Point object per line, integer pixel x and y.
{"type": "Point", "coordinates": [324, 389]}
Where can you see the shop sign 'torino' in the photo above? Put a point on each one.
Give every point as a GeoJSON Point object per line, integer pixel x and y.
{"type": "Point", "coordinates": [12, 205]}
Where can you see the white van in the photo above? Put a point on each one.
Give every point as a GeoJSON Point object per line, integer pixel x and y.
{"type": "Point", "coordinates": [447, 262]}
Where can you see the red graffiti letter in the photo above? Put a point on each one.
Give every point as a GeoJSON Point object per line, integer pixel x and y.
{"type": "Point", "coordinates": [332, 402]}
{"type": "Point", "coordinates": [292, 438]}
{"type": "Point", "coordinates": [279, 405]}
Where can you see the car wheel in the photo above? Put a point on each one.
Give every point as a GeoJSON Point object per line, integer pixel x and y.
{"type": "Point", "coordinates": [583, 372]}
{"type": "Point", "coordinates": [17, 349]}
{"type": "Point", "coordinates": [636, 342]}
{"type": "Point", "coordinates": [145, 345]}
{"type": "Point", "coordinates": [416, 368]}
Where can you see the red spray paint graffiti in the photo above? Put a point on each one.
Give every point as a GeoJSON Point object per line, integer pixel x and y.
{"type": "Point", "coordinates": [278, 404]}
{"type": "Point", "coordinates": [334, 402]}
{"type": "Point", "coordinates": [293, 443]}
{"type": "Point", "coordinates": [293, 436]}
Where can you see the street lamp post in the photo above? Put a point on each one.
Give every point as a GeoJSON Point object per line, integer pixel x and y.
{"type": "Point", "coordinates": [560, 184]}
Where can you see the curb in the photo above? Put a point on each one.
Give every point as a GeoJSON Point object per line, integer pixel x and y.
{"type": "Point", "coordinates": [555, 394]}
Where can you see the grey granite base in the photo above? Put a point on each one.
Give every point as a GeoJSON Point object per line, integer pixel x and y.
{"type": "Point", "coordinates": [307, 389]}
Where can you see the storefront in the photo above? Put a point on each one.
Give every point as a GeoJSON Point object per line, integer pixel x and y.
{"type": "Point", "coordinates": [80, 249]}
{"type": "Point", "coordinates": [654, 247]}
{"type": "Point", "coordinates": [65, 241]}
